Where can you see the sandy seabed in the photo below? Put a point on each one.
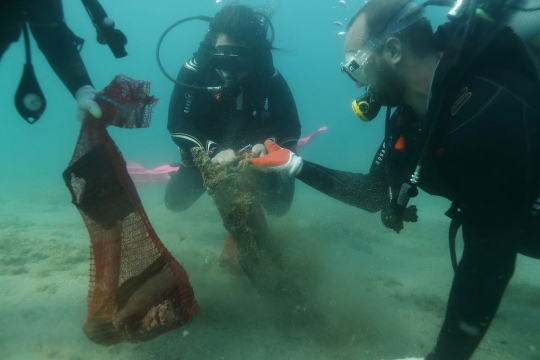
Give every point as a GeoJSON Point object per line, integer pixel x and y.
{"type": "Point", "coordinates": [370, 293]}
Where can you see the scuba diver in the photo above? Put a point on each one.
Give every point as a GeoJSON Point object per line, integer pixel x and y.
{"type": "Point", "coordinates": [61, 49]}
{"type": "Point", "coordinates": [466, 127]}
{"type": "Point", "coordinates": [229, 97]}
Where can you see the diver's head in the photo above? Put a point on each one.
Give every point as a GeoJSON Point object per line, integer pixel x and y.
{"type": "Point", "coordinates": [232, 59]}
{"type": "Point", "coordinates": [382, 40]}
{"type": "Point", "coordinates": [238, 35]}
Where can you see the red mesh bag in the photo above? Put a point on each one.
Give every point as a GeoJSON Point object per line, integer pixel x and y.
{"type": "Point", "coordinates": [137, 289]}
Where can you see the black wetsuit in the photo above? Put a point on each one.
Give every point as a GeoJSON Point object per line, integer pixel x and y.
{"type": "Point", "coordinates": [55, 40]}
{"type": "Point", "coordinates": [264, 110]}
{"type": "Point", "coordinates": [485, 159]}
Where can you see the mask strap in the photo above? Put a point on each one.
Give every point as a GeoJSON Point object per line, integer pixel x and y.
{"type": "Point", "coordinates": [405, 17]}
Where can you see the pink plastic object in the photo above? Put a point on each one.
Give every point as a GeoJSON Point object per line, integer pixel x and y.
{"type": "Point", "coordinates": [303, 141]}
{"type": "Point", "coordinates": [162, 173]}
{"type": "Point", "coordinates": [142, 177]}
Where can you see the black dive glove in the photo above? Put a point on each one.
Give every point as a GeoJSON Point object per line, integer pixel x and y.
{"type": "Point", "coordinates": [395, 222]}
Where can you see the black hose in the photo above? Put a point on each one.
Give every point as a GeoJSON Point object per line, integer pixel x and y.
{"type": "Point", "coordinates": [26, 42]}
{"type": "Point", "coordinates": [201, 17]}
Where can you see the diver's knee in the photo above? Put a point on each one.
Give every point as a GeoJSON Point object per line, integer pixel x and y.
{"type": "Point", "coordinates": [278, 209]}
{"type": "Point", "coordinates": [176, 206]}
{"type": "Point", "coordinates": [279, 212]}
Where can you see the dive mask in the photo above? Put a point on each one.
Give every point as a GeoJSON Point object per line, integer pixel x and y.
{"type": "Point", "coordinates": [355, 65]}
{"type": "Point", "coordinates": [234, 59]}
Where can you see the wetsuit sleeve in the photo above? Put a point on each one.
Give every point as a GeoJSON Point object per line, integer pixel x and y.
{"type": "Point", "coordinates": [10, 30]}
{"type": "Point", "coordinates": [365, 191]}
{"type": "Point", "coordinates": [56, 41]}
{"type": "Point", "coordinates": [285, 126]}
{"type": "Point", "coordinates": [493, 137]}
{"type": "Point", "coordinates": [186, 110]}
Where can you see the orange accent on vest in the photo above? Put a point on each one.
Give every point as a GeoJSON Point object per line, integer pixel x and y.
{"type": "Point", "coordinates": [440, 152]}
{"type": "Point", "coordinates": [217, 96]}
{"type": "Point", "coordinates": [400, 144]}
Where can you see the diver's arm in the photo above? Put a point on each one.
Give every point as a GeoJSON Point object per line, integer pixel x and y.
{"type": "Point", "coordinates": [285, 125]}
{"type": "Point", "coordinates": [55, 40]}
{"type": "Point", "coordinates": [364, 191]}
{"type": "Point", "coordinates": [367, 192]}
{"type": "Point", "coordinates": [492, 140]}
{"type": "Point", "coordinates": [186, 109]}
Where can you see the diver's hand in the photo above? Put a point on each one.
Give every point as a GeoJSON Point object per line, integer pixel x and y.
{"type": "Point", "coordinates": [278, 160]}
{"type": "Point", "coordinates": [223, 157]}
{"type": "Point", "coordinates": [395, 222]}
{"type": "Point", "coordinates": [259, 150]}
{"type": "Point", "coordinates": [85, 103]}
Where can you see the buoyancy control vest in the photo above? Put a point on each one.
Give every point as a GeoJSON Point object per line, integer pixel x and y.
{"type": "Point", "coordinates": [490, 45]}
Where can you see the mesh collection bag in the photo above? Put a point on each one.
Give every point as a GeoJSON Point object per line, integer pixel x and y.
{"type": "Point", "coordinates": [137, 289]}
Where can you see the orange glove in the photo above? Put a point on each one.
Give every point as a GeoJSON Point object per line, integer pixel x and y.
{"type": "Point", "coordinates": [278, 160]}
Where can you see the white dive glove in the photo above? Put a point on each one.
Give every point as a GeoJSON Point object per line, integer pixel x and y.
{"type": "Point", "coordinates": [223, 157]}
{"type": "Point", "coordinates": [278, 160]}
{"type": "Point", "coordinates": [85, 102]}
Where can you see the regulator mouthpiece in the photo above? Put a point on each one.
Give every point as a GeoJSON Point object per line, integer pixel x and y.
{"type": "Point", "coordinates": [365, 107]}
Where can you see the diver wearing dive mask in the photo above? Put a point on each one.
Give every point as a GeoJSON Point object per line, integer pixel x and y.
{"type": "Point", "coordinates": [229, 96]}
{"type": "Point", "coordinates": [467, 121]}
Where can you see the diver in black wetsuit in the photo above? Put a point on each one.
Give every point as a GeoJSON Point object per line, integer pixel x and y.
{"type": "Point", "coordinates": [55, 40]}
{"type": "Point", "coordinates": [255, 105]}
{"type": "Point", "coordinates": [481, 105]}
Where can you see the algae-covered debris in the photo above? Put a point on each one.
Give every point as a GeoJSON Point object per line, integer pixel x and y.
{"type": "Point", "coordinates": [234, 195]}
